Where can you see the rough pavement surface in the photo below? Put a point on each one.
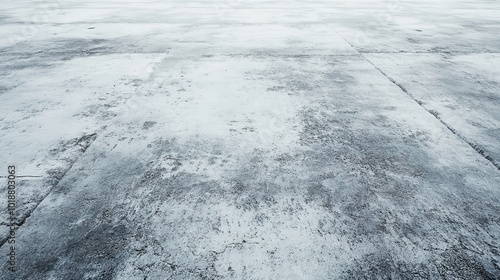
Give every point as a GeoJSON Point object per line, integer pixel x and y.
{"type": "Point", "coordinates": [251, 139]}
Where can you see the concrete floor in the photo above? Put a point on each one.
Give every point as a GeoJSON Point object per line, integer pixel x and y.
{"type": "Point", "coordinates": [251, 139]}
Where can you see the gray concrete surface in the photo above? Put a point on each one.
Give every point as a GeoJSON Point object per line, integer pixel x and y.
{"type": "Point", "coordinates": [251, 139]}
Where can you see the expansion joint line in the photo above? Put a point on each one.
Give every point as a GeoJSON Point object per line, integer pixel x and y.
{"type": "Point", "coordinates": [476, 148]}
{"type": "Point", "coordinates": [92, 138]}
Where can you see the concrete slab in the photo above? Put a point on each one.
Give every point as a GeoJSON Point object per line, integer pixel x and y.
{"type": "Point", "coordinates": [251, 139]}
{"type": "Point", "coordinates": [463, 91]}
{"type": "Point", "coordinates": [417, 26]}
{"type": "Point", "coordinates": [208, 180]}
{"type": "Point", "coordinates": [49, 120]}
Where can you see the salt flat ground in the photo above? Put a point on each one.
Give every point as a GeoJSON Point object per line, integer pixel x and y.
{"type": "Point", "coordinates": [251, 139]}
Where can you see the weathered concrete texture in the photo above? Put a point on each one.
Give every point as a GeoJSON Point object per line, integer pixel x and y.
{"type": "Point", "coordinates": [252, 139]}
{"type": "Point", "coordinates": [49, 120]}
{"type": "Point", "coordinates": [461, 90]}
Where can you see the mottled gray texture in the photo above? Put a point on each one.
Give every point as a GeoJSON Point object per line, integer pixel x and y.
{"type": "Point", "coordinates": [252, 139]}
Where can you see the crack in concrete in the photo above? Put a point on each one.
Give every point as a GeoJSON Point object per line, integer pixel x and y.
{"type": "Point", "coordinates": [233, 245]}
{"type": "Point", "coordinates": [86, 139]}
